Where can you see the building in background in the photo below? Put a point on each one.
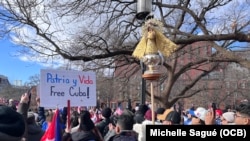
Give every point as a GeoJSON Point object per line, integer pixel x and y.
{"type": "Point", "coordinates": [4, 82]}
{"type": "Point", "coordinates": [9, 91]}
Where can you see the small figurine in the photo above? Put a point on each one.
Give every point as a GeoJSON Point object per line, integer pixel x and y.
{"type": "Point", "coordinates": [153, 41]}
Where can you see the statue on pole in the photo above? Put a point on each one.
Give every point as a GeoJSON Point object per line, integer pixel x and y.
{"type": "Point", "coordinates": [153, 40]}
{"type": "Point", "coordinates": [151, 44]}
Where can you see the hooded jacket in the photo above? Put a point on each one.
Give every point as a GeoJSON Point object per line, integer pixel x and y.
{"type": "Point", "coordinates": [35, 132]}
{"type": "Point", "coordinates": [12, 124]}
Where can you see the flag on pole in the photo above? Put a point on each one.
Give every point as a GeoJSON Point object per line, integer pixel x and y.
{"type": "Point", "coordinates": [53, 133]}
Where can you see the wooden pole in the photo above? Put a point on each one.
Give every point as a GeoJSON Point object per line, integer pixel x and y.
{"type": "Point", "coordinates": [68, 113]}
{"type": "Point", "coordinates": [152, 103]}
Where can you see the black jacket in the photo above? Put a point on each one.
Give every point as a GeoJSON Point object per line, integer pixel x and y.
{"type": "Point", "coordinates": [35, 132]}
{"type": "Point", "coordinates": [125, 135]}
{"type": "Point", "coordinates": [83, 136]}
{"type": "Point", "coordinates": [102, 125]}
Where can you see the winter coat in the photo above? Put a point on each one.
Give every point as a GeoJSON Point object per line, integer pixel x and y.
{"type": "Point", "coordinates": [35, 132]}
{"type": "Point", "coordinates": [102, 125]}
{"type": "Point", "coordinates": [125, 135]}
{"type": "Point", "coordinates": [140, 128]}
{"type": "Point", "coordinates": [84, 136]}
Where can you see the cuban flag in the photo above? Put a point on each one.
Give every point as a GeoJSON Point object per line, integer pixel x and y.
{"type": "Point", "coordinates": [53, 133]}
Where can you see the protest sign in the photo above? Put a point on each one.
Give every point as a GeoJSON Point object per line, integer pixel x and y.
{"type": "Point", "coordinates": [58, 86]}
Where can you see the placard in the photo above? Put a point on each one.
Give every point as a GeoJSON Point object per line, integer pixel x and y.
{"type": "Point", "coordinates": [58, 86]}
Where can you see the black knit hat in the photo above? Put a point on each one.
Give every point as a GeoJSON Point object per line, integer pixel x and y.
{"type": "Point", "coordinates": [106, 112]}
{"type": "Point", "coordinates": [160, 110]}
{"type": "Point", "coordinates": [174, 117]}
{"type": "Point", "coordinates": [143, 109]}
{"type": "Point", "coordinates": [12, 124]}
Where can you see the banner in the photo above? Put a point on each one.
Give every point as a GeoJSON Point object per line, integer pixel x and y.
{"type": "Point", "coordinates": [58, 86]}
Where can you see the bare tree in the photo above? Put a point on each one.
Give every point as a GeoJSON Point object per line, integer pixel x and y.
{"type": "Point", "coordinates": [98, 34]}
{"type": "Point", "coordinates": [33, 81]}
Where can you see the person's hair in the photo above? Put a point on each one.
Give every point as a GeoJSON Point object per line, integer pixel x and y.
{"type": "Point", "coordinates": [113, 120]}
{"type": "Point", "coordinates": [142, 109]}
{"type": "Point", "coordinates": [244, 108]}
{"type": "Point", "coordinates": [202, 122]}
{"type": "Point", "coordinates": [125, 122]}
{"type": "Point", "coordinates": [49, 115]}
{"type": "Point", "coordinates": [31, 118]}
{"type": "Point", "coordinates": [86, 124]}
{"type": "Point", "coordinates": [74, 119]}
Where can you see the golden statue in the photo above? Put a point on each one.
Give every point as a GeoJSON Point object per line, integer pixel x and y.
{"type": "Point", "coordinates": [153, 41]}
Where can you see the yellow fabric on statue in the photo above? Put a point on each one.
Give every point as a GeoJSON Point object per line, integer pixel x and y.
{"type": "Point", "coordinates": [140, 48]}
{"type": "Point", "coordinates": [164, 45]}
{"type": "Point", "coordinates": [153, 41]}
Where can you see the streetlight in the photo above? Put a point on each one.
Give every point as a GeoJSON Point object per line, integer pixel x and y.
{"type": "Point", "coordinates": [143, 10]}
{"type": "Point", "coordinates": [143, 85]}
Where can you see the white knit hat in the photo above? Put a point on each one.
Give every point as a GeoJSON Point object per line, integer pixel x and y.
{"type": "Point", "coordinates": [229, 116]}
{"type": "Point", "coordinates": [200, 112]}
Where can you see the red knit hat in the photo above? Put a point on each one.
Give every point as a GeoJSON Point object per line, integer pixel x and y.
{"type": "Point", "coordinates": [148, 115]}
{"type": "Point", "coordinates": [218, 112]}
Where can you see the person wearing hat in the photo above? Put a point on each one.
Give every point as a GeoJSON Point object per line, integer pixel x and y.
{"type": "Point", "coordinates": [173, 118]}
{"type": "Point", "coordinates": [86, 131]}
{"type": "Point", "coordinates": [199, 118]}
{"type": "Point", "coordinates": [188, 117]}
{"type": "Point", "coordinates": [218, 114]}
{"type": "Point", "coordinates": [35, 132]}
{"type": "Point", "coordinates": [140, 128]}
{"type": "Point", "coordinates": [227, 118]}
{"type": "Point", "coordinates": [139, 114]}
{"type": "Point", "coordinates": [162, 117]}
{"type": "Point", "coordinates": [159, 111]}
{"type": "Point", "coordinates": [106, 113]}
{"type": "Point", "coordinates": [12, 124]}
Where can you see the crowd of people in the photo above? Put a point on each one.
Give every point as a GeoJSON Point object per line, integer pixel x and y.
{"type": "Point", "coordinates": [106, 124]}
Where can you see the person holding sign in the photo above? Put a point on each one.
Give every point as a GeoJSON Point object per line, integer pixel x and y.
{"type": "Point", "coordinates": [86, 131]}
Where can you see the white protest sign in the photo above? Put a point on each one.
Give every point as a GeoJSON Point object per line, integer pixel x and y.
{"type": "Point", "coordinates": [59, 86]}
